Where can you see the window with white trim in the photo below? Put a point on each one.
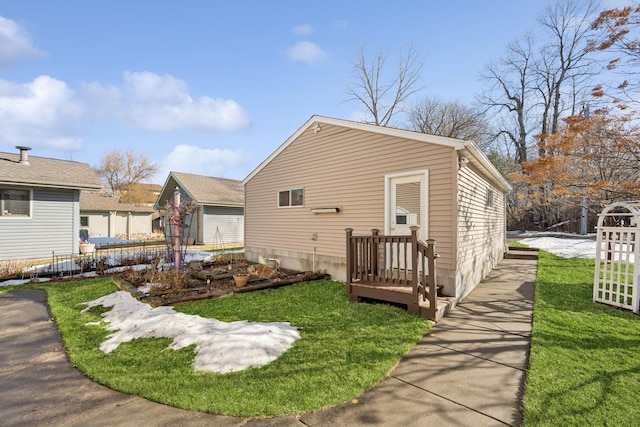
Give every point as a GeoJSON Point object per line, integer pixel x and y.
{"type": "Point", "coordinates": [15, 202]}
{"type": "Point", "coordinates": [291, 198]}
{"type": "Point", "coordinates": [489, 203]}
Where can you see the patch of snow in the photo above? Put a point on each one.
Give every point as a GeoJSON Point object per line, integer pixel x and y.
{"type": "Point", "coordinates": [220, 346]}
{"type": "Point", "coordinates": [566, 248]}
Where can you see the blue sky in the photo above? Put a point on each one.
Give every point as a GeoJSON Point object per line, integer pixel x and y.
{"type": "Point", "coordinates": [213, 87]}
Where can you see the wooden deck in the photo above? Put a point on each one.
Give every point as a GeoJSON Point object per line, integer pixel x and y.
{"type": "Point", "coordinates": [395, 269]}
{"type": "Point", "coordinates": [361, 292]}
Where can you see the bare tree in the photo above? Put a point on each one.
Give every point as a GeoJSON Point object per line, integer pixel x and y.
{"type": "Point", "coordinates": [509, 96]}
{"type": "Point", "coordinates": [538, 81]}
{"type": "Point", "coordinates": [452, 119]}
{"type": "Point", "coordinates": [120, 171]}
{"type": "Point", "coordinates": [382, 96]}
{"type": "Point", "coordinates": [564, 59]}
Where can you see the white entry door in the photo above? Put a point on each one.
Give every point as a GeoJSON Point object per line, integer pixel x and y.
{"type": "Point", "coordinates": [406, 207]}
{"type": "Point", "coordinates": [406, 204]}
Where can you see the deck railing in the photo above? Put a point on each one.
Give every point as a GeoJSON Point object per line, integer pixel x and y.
{"type": "Point", "coordinates": [393, 260]}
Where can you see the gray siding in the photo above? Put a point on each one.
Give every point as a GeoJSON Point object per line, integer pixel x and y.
{"type": "Point", "coordinates": [53, 226]}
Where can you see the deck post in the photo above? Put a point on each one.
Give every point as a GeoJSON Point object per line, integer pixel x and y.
{"type": "Point", "coordinates": [431, 259]}
{"type": "Point", "coordinates": [374, 253]}
{"type": "Point", "coordinates": [414, 269]}
{"type": "Point", "coordinates": [349, 232]}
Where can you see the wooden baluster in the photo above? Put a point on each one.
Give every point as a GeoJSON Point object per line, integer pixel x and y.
{"type": "Point", "coordinates": [431, 258]}
{"type": "Point", "coordinates": [414, 261]}
{"type": "Point", "coordinates": [349, 232]}
{"type": "Point", "coordinates": [374, 254]}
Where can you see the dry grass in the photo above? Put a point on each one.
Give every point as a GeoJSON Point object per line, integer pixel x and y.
{"type": "Point", "coordinates": [14, 267]}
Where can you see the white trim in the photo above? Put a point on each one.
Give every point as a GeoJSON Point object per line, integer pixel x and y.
{"type": "Point", "coordinates": [423, 233]}
{"type": "Point", "coordinates": [290, 189]}
{"type": "Point", "coordinates": [11, 216]}
{"type": "Point", "coordinates": [480, 160]}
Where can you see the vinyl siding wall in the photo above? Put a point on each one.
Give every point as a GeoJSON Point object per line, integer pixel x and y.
{"type": "Point", "coordinates": [53, 226]}
{"type": "Point", "coordinates": [98, 223]}
{"type": "Point", "coordinates": [481, 230]}
{"type": "Point", "coordinates": [346, 168]}
{"type": "Point", "coordinates": [229, 221]}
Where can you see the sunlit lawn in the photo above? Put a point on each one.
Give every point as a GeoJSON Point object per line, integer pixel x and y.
{"type": "Point", "coordinates": [585, 357]}
{"type": "Point", "coordinates": [345, 348]}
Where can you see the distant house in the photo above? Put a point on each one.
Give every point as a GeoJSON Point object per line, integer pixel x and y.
{"type": "Point", "coordinates": [104, 215]}
{"type": "Point", "coordinates": [40, 204]}
{"type": "Point", "coordinates": [220, 206]}
{"type": "Point", "coordinates": [335, 174]}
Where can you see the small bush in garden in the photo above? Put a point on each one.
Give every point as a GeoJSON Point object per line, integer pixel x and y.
{"type": "Point", "coordinates": [171, 280]}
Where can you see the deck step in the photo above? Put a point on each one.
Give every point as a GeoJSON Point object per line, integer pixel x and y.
{"type": "Point", "coordinates": [521, 253]}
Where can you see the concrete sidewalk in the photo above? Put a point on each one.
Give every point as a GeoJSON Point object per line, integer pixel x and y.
{"type": "Point", "coordinates": [468, 371]}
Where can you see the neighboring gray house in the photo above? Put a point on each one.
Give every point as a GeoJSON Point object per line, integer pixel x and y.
{"type": "Point", "coordinates": [40, 204]}
{"type": "Point", "coordinates": [220, 206]}
{"type": "Point", "coordinates": [106, 216]}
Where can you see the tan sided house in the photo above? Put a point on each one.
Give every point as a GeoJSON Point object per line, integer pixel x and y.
{"type": "Point", "coordinates": [332, 175]}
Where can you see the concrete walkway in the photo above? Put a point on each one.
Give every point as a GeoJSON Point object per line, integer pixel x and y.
{"type": "Point", "coordinates": [468, 371]}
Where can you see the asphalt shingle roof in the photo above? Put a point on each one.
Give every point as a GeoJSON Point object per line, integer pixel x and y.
{"type": "Point", "coordinates": [46, 172]}
{"type": "Point", "coordinates": [102, 202]}
{"type": "Point", "coordinates": [208, 190]}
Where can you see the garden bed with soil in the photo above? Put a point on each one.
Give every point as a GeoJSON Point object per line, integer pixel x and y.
{"type": "Point", "coordinates": [207, 280]}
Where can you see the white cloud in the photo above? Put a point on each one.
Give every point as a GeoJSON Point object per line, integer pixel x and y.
{"type": "Point", "coordinates": [307, 52]}
{"type": "Point", "coordinates": [203, 161]}
{"type": "Point", "coordinates": [15, 44]}
{"type": "Point", "coordinates": [302, 29]}
{"type": "Point", "coordinates": [162, 102]}
{"type": "Point", "coordinates": [41, 113]}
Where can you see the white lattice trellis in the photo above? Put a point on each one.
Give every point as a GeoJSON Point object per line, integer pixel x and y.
{"type": "Point", "coordinates": [617, 272]}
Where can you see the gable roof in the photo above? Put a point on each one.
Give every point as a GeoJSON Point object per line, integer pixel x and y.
{"type": "Point", "coordinates": [205, 190]}
{"type": "Point", "coordinates": [465, 148]}
{"type": "Point", "coordinates": [102, 202]}
{"type": "Point", "coordinates": [46, 172]}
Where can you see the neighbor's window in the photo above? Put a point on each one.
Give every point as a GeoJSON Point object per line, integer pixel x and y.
{"type": "Point", "coordinates": [84, 221]}
{"type": "Point", "coordinates": [291, 198]}
{"type": "Point", "coordinates": [489, 198]}
{"type": "Point", "coordinates": [14, 202]}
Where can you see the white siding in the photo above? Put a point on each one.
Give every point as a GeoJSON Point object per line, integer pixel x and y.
{"type": "Point", "coordinates": [98, 223]}
{"type": "Point", "coordinates": [229, 221]}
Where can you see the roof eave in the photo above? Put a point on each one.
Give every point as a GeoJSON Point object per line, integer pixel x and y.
{"type": "Point", "coordinates": [400, 133]}
{"type": "Point", "coordinates": [66, 186]}
{"type": "Point", "coordinates": [471, 148]}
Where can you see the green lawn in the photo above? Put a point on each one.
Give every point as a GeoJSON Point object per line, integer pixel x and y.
{"type": "Point", "coordinates": [584, 368]}
{"type": "Point", "coordinates": [344, 349]}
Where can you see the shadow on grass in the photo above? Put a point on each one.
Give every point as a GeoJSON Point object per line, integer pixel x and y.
{"type": "Point", "coordinates": [584, 368]}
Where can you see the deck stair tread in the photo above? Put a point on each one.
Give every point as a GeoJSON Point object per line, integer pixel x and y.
{"type": "Point", "coordinates": [404, 294]}
{"type": "Point", "coordinates": [522, 253]}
